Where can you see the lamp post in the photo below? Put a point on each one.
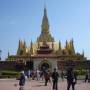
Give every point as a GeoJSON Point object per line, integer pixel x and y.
{"type": "Point", "coordinates": [0, 54]}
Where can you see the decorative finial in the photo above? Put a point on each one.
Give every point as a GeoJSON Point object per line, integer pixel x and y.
{"type": "Point", "coordinates": [44, 3]}
{"type": "Point", "coordinates": [31, 41]}
{"type": "Point", "coordinates": [72, 40]}
{"type": "Point", "coordinates": [45, 11]}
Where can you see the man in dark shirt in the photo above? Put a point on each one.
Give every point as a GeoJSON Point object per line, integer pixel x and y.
{"type": "Point", "coordinates": [22, 81]}
{"type": "Point", "coordinates": [71, 79]}
{"type": "Point", "coordinates": [86, 77]}
{"type": "Point", "coordinates": [55, 77]}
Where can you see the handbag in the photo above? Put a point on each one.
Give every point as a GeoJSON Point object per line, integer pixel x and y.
{"type": "Point", "coordinates": [74, 81]}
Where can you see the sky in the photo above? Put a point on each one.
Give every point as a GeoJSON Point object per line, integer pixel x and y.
{"type": "Point", "coordinates": [21, 19]}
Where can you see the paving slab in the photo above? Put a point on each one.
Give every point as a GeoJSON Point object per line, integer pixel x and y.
{"type": "Point", "coordinates": [12, 84]}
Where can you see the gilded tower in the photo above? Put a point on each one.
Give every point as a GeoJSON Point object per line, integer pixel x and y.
{"type": "Point", "coordinates": [45, 35]}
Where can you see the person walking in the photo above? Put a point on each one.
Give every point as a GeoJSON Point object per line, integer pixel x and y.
{"type": "Point", "coordinates": [71, 79]}
{"type": "Point", "coordinates": [29, 73]}
{"type": "Point", "coordinates": [62, 76]}
{"type": "Point", "coordinates": [86, 77]}
{"type": "Point", "coordinates": [46, 77]}
{"type": "Point", "coordinates": [22, 81]}
{"type": "Point", "coordinates": [38, 74]}
{"type": "Point", "coordinates": [55, 77]}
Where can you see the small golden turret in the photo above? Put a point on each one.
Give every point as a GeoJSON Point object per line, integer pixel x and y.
{"type": "Point", "coordinates": [60, 46]}
{"type": "Point", "coordinates": [21, 48]}
{"type": "Point", "coordinates": [67, 46]}
{"type": "Point", "coordinates": [31, 47]}
{"type": "Point", "coordinates": [72, 47]}
{"type": "Point", "coordinates": [24, 47]}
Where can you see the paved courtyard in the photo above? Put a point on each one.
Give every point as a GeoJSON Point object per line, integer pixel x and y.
{"type": "Point", "coordinates": [11, 84]}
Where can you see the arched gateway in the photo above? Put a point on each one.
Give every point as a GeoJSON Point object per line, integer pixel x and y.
{"type": "Point", "coordinates": [44, 64]}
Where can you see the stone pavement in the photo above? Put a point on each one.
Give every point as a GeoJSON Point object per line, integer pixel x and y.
{"type": "Point", "coordinates": [12, 84]}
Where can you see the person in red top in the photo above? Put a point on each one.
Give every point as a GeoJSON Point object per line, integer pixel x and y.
{"type": "Point", "coordinates": [47, 77]}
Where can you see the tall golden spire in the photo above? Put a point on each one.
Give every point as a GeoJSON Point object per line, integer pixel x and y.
{"type": "Point", "coordinates": [45, 35]}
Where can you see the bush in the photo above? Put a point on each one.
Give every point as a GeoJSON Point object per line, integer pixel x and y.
{"type": "Point", "coordinates": [80, 72]}
{"type": "Point", "coordinates": [9, 74]}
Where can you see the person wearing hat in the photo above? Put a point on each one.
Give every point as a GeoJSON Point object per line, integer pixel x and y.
{"type": "Point", "coordinates": [55, 77]}
{"type": "Point", "coordinates": [22, 81]}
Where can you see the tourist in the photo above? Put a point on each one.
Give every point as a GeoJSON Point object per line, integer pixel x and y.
{"type": "Point", "coordinates": [49, 73]}
{"type": "Point", "coordinates": [29, 73]}
{"type": "Point", "coordinates": [38, 74]}
{"type": "Point", "coordinates": [22, 81]}
{"type": "Point", "coordinates": [47, 77]}
{"type": "Point", "coordinates": [62, 76]}
{"type": "Point", "coordinates": [41, 75]}
{"type": "Point", "coordinates": [86, 78]}
{"type": "Point", "coordinates": [55, 77]}
{"type": "Point", "coordinates": [71, 79]}
{"type": "Point", "coordinates": [33, 74]}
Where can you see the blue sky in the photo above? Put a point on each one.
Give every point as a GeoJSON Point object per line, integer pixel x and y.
{"type": "Point", "coordinates": [21, 19]}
